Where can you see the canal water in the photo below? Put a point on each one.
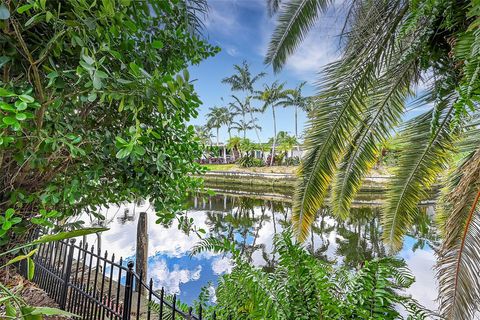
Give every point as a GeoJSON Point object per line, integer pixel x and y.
{"type": "Point", "coordinates": [252, 220]}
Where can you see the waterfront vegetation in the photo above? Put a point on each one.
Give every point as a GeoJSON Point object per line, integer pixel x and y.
{"type": "Point", "coordinates": [95, 104]}
{"type": "Point", "coordinates": [389, 49]}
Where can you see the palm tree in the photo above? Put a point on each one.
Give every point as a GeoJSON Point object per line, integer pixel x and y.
{"type": "Point", "coordinates": [295, 99]}
{"type": "Point", "coordinates": [233, 144]}
{"type": "Point", "coordinates": [271, 97]}
{"type": "Point", "coordinates": [204, 134]}
{"type": "Point", "coordinates": [244, 126]}
{"type": "Point", "coordinates": [390, 48]}
{"type": "Point", "coordinates": [217, 117]}
{"type": "Point", "coordinates": [244, 81]}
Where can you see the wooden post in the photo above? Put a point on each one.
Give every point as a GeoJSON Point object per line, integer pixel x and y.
{"type": "Point", "coordinates": [142, 247]}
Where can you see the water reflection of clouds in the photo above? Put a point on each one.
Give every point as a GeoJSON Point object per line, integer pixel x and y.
{"type": "Point", "coordinates": [421, 263]}
{"type": "Point", "coordinates": [170, 266]}
{"type": "Point", "coordinates": [170, 279]}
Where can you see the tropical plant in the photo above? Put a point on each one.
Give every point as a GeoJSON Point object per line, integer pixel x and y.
{"type": "Point", "coordinates": [295, 99]}
{"type": "Point", "coordinates": [271, 96]}
{"type": "Point", "coordinates": [390, 49]}
{"type": "Point", "coordinates": [249, 161]}
{"type": "Point", "coordinates": [244, 81]}
{"type": "Point", "coordinates": [303, 287]}
{"type": "Point", "coordinates": [233, 145]}
{"type": "Point", "coordinates": [204, 134]}
{"type": "Point", "coordinates": [94, 106]}
{"type": "Point", "coordinates": [216, 118]}
{"type": "Point", "coordinates": [244, 126]}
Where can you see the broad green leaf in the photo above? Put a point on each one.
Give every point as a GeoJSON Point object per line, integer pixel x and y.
{"type": "Point", "coordinates": [31, 268]}
{"type": "Point", "coordinates": [24, 8]}
{"type": "Point", "coordinates": [21, 105]}
{"type": "Point", "coordinates": [122, 153]}
{"type": "Point", "coordinates": [67, 235]}
{"type": "Point", "coordinates": [47, 311]}
{"type": "Point", "coordinates": [97, 82]}
{"type": "Point", "coordinates": [9, 120]}
{"type": "Point", "coordinates": [5, 106]}
{"type": "Point", "coordinates": [21, 257]}
{"type": "Point", "coordinates": [21, 116]}
{"type": "Point", "coordinates": [139, 150]}
{"type": "Point", "coordinates": [6, 93]}
{"type": "Point", "coordinates": [9, 213]}
{"type": "Point", "coordinates": [26, 98]}
{"type": "Point", "coordinates": [7, 225]}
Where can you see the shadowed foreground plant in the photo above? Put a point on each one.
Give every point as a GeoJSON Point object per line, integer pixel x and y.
{"type": "Point", "coordinates": [304, 287]}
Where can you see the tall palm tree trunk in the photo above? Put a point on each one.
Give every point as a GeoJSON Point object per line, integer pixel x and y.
{"type": "Point", "coordinates": [296, 122]}
{"type": "Point", "coordinates": [274, 135]}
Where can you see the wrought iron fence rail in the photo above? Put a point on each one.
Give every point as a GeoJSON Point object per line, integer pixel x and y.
{"type": "Point", "coordinates": [93, 286]}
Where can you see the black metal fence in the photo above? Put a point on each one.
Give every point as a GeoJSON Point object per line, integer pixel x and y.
{"type": "Point", "coordinates": [91, 285]}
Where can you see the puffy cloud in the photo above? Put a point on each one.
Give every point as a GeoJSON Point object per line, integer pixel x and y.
{"type": "Point", "coordinates": [221, 265]}
{"type": "Point", "coordinates": [171, 279]}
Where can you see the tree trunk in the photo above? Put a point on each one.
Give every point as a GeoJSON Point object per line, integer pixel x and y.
{"type": "Point", "coordinates": [296, 122]}
{"type": "Point", "coordinates": [274, 135]}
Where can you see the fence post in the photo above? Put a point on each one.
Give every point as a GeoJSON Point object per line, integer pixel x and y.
{"type": "Point", "coordinates": [127, 302]}
{"type": "Point", "coordinates": [66, 275]}
{"type": "Point", "coordinates": [142, 249]}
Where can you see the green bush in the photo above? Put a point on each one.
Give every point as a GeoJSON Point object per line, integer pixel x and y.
{"type": "Point", "coordinates": [303, 287]}
{"type": "Point", "coordinates": [249, 161]}
{"type": "Point", "coordinates": [94, 108]}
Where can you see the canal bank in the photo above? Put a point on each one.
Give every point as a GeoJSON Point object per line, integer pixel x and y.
{"type": "Point", "coordinates": [282, 183]}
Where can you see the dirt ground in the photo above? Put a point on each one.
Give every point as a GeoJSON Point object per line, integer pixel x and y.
{"type": "Point", "coordinates": [32, 295]}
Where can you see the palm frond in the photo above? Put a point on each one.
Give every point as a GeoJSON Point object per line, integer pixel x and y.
{"type": "Point", "coordinates": [295, 19]}
{"type": "Point", "coordinates": [458, 267]}
{"type": "Point", "coordinates": [340, 110]}
{"type": "Point", "coordinates": [215, 245]}
{"type": "Point", "coordinates": [384, 113]}
{"type": "Point", "coordinates": [424, 155]}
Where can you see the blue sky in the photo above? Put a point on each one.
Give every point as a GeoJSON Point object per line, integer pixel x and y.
{"type": "Point", "coordinates": [242, 29]}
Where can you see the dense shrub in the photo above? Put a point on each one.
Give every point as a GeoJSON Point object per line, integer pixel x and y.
{"type": "Point", "coordinates": [249, 161]}
{"type": "Point", "coordinates": [94, 107]}
{"type": "Point", "coordinates": [292, 161]}
{"type": "Point", "coordinates": [303, 287]}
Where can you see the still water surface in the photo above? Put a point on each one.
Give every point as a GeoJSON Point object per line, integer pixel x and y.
{"type": "Point", "coordinates": [252, 221]}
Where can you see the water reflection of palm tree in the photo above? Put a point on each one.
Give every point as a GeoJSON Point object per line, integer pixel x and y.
{"type": "Point", "coordinates": [360, 237]}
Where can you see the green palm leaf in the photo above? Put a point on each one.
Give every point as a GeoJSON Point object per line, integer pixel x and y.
{"type": "Point", "coordinates": [384, 113]}
{"type": "Point", "coordinates": [424, 155]}
{"type": "Point", "coordinates": [295, 19]}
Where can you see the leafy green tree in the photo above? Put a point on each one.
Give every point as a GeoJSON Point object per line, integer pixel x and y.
{"type": "Point", "coordinates": [94, 107]}
{"type": "Point", "coordinates": [389, 49]}
{"type": "Point", "coordinates": [272, 96]}
{"type": "Point", "coordinates": [233, 144]}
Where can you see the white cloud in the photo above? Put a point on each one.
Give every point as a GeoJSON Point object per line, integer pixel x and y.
{"type": "Point", "coordinates": [222, 265]}
{"type": "Point", "coordinates": [315, 52]}
{"type": "Point", "coordinates": [232, 51]}
{"type": "Point", "coordinates": [421, 263]}
{"type": "Point", "coordinates": [171, 279]}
